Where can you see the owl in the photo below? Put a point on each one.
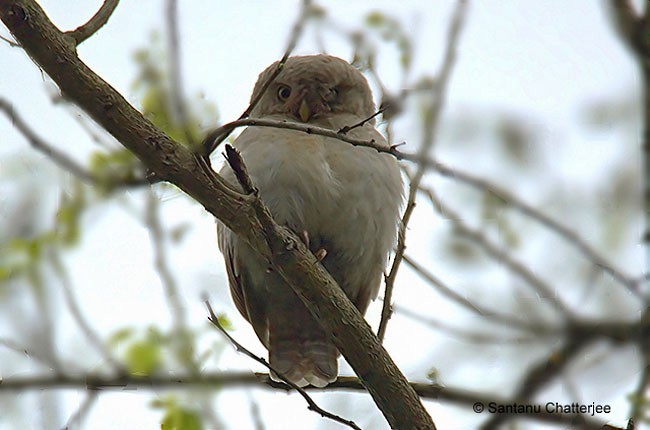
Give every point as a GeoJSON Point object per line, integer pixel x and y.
{"type": "Point", "coordinates": [345, 200]}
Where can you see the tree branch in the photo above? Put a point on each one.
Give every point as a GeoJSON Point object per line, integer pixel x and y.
{"type": "Point", "coordinates": [222, 380]}
{"type": "Point", "coordinates": [351, 334]}
{"type": "Point", "coordinates": [98, 20]}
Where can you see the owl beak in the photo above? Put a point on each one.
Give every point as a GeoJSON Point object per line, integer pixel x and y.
{"type": "Point", "coordinates": [304, 112]}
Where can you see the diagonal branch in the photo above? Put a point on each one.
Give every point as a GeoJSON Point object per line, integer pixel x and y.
{"type": "Point", "coordinates": [59, 158]}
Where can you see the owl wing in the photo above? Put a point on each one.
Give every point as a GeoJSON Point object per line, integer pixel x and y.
{"type": "Point", "coordinates": [241, 284]}
{"type": "Point", "coordinates": [297, 346]}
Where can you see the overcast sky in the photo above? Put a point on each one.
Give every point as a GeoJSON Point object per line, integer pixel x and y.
{"type": "Point", "coordinates": [544, 60]}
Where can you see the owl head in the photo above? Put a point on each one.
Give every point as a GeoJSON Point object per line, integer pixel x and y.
{"type": "Point", "coordinates": [312, 87]}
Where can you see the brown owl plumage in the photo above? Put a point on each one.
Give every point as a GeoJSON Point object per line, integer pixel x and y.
{"type": "Point", "coordinates": [345, 198]}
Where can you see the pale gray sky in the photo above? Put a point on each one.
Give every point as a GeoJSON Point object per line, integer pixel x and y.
{"type": "Point", "coordinates": [543, 60]}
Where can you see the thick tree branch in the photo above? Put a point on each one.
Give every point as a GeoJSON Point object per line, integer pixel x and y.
{"type": "Point", "coordinates": [51, 50]}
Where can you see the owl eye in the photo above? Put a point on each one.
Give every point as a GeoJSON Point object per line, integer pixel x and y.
{"type": "Point", "coordinates": [284, 92]}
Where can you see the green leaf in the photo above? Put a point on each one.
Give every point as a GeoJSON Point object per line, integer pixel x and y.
{"type": "Point", "coordinates": [120, 336]}
{"type": "Point", "coordinates": [143, 357]}
{"type": "Point", "coordinates": [69, 215]}
{"type": "Point", "coordinates": [181, 419]}
{"type": "Point", "coordinates": [177, 417]}
{"type": "Point", "coordinates": [375, 19]}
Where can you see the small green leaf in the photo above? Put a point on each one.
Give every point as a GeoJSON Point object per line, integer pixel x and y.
{"type": "Point", "coordinates": [224, 321]}
{"type": "Point", "coordinates": [375, 19]}
{"type": "Point", "coordinates": [120, 336]}
{"type": "Point", "coordinates": [143, 357]}
{"type": "Point", "coordinates": [181, 419]}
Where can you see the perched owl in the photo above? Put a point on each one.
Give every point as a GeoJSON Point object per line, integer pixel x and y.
{"type": "Point", "coordinates": [344, 199]}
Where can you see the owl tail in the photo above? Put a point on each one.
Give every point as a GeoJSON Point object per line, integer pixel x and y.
{"type": "Point", "coordinates": [304, 361]}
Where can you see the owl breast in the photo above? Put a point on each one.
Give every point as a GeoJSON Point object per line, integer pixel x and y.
{"type": "Point", "coordinates": [346, 198]}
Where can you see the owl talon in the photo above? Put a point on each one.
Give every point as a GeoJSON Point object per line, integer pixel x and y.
{"type": "Point", "coordinates": [304, 236]}
{"type": "Point", "coordinates": [320, 254]}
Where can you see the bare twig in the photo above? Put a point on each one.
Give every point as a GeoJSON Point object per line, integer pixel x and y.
{"type": "Point", "coordinates": [95, 23]}
{"type": "Point", "coordinates": [214, 139]}
{"type": "Point", "coordinates": [183, 341]}
{"type": "Point", "coordinates": [176, 95]}
{"type": "Point", "coordinates": [634, 28]}
{"type": "Point", "coordinates": [239, 168]}
{"type": "Point", "coordinates": [361, 123]}
{"type": "Point", "coordinates": [489, 314]}
{"type": "Point", "coordinates": [457, 333]}
{"type": "Point", "coordinates": [443, 288]}
{"type": "Point", "coordinates": [77, 314]}
{"type": "Point", "coordinates": [78, 416]}
{"type": "Point", "coordinates": [564, 232]}
{"type": "Point", "coordinates": [22, 350]}
{"type": "Point", "coordinates": [255, 414]}
{"type": "Point", "coordinates": [641, 395]}
{"type": "Point", "coordinates": [312, 406]}
{"type": "Point", "coordinates": [10, 42]}
{"type": "Point", "coordinates": [541, 287]}
{"type": "Point", "coordinates": [432, 114]}
{"type": "Point", "coordinates": [58, 157]}
{"type": "Point", "coordinates": [540, 375]}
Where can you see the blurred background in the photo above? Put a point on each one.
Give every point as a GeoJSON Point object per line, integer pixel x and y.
{"type": "Point", "coordinates": [523, 273]}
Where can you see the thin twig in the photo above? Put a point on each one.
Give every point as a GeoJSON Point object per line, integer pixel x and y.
{"type": "Point", "coordinates": [58, 157]}
{"type": "Point", "coordinates": [76, 419]}
{"type": "Point", "coordinates": [641, 395]}
{"type": "Point", "coordinates": [98, 20]}
{"type": "Point", "coordinates": [77, 313]}
{"type": "Point", "coordinates": [489, 314]}
{"type": "Point", "coordinates": [61, 159]}
{"type": "Point", "coordinates": [214, 139]}
{"type": "Point", "coordinates": [361, 123]}
{"type": "Point", "coordinates": [541, 287]}
{"type": "Point", "coordinates": [564, 232]}
{"type": "Point", "coordinates": [310, 402]}
{"type": "Point", "coordinates": [176, 95]}
{"type": "Point", "coordinates": [540, 376]}
{"type": "Point", "coordinates": [432, 115]}
{"type": "Point", "coordinates": [255, 414]}
{"type": "Point", "coordinates": [184, 345]}
{"type": "Point", "coordinates": [460, 333]}
{"type": "Point", "coordinates": [10, 42]}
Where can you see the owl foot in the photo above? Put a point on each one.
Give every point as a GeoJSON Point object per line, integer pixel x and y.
{"type": "Point", "coordinates": [320, 254]}
{"type": "Point", "coordinates": [304, 236]}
